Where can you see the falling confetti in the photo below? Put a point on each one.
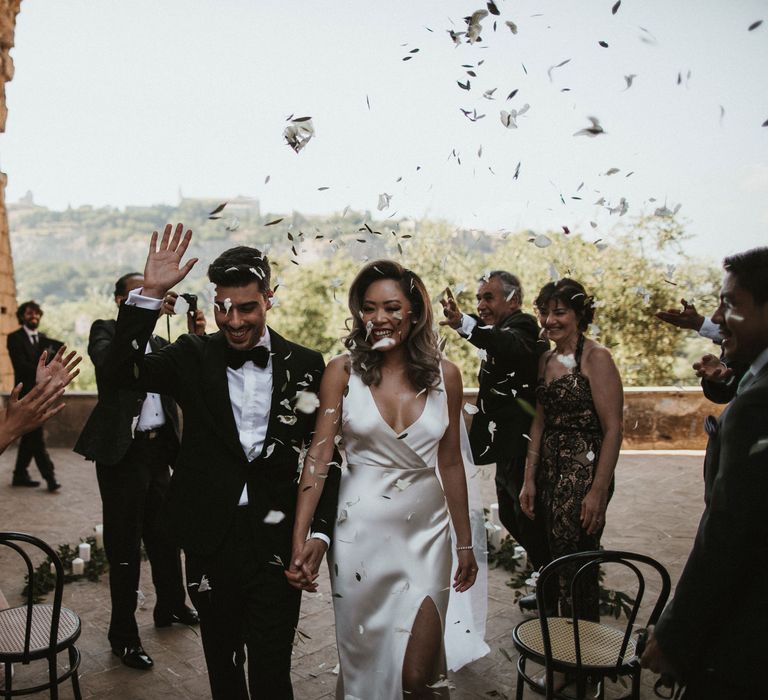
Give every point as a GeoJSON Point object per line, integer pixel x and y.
{"type": "Point", "coordinates": [593, 130]}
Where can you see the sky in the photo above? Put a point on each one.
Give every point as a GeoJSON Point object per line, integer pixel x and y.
{"type": "Point", "coordinates": [132, 103]}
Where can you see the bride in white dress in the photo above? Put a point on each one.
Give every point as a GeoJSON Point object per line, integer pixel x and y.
{"type": "Point", "coordinates": [397, 406]}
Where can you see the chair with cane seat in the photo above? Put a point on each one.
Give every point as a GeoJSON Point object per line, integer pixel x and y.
{"type": "Point", "coordinates": [35, 631]}
{"type": "Point", "coordinates": [579, 648]}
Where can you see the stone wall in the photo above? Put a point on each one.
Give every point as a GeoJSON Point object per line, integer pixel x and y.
{"type": "Point", "coordinates": [655, 418]}
{"type": "Point", "coordinates": [8, 11]}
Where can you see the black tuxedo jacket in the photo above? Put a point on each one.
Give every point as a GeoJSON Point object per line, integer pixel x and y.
{"type": "Point", "coordinates": [108, 434]}
{"type": "Point", "coordinates": [506, 380]}
{"type": "Point", "coordinates": [24, 356]}
{"type": "Point", "coordinates": [212, 468]}
{"type": "Point", "coordinates": [719, 614]}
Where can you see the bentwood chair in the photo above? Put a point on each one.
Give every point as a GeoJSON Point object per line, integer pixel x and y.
{"type": "Point", "coordinates": [581, 649]}
{"type": "Point", "coordinates": [37, 631]}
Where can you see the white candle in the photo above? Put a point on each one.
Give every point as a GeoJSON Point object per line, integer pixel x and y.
{"type": "Point", "coordinates": [84, 551]}
{"type": "Point", "coordinates": [494, 538]}
{"type": "Point", "coordinates": [53, 568]}
{"type": "Point", "coordinates": [494, 516]}
{"type": "Point", "coordinates": [99, 530]}
{"type": "Point", "coordinates": [522, 557]}
{"type": "Point", "coordinates": [78, 566]}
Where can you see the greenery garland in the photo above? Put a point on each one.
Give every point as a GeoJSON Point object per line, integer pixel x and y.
{"type": "Point", "coordinates": [44, 581]}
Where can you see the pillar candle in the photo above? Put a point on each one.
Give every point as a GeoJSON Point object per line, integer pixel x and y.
{"type": "Point", "coordinates": [53, 568]}
{"type": "Point", "coordinates": [494, 514]}
{"type": "Point", "coordinates": [78, 566]}
{"type": "Point", "coordinates": [99, 530]}
{"type": "Point", "coordinates": [84, 551]}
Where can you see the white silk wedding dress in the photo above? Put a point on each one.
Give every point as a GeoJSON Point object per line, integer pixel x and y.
{"type": "Point", "coordinates": [392, 546]}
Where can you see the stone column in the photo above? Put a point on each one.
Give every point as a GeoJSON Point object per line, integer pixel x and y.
{"type": "Point", "coordinates": [8, 11]}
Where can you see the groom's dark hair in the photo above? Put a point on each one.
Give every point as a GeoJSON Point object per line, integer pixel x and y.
{"type": "Point", "coordinates": [239, 266]}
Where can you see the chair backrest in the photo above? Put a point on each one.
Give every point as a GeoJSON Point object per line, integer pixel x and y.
{"type": "Point", "coordinates": [586, 561]}
{"type": "Point", "coordinates": [10, 539]}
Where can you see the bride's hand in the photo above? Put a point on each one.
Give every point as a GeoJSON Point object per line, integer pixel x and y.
{"type": "Point", "coordinates": [466, 573]}
{"type": "Point", "coordinates": [305, 564]}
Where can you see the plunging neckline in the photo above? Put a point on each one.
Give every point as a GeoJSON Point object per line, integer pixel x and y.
{"type": "Point", "coordinates": [403, 432]}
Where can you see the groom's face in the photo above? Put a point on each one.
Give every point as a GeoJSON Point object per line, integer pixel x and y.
{"type": "Point", "coordinates": [241, 314]}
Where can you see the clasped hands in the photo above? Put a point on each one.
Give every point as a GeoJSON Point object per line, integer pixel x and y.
{"type": "Point", "coordinates": [305, 563]}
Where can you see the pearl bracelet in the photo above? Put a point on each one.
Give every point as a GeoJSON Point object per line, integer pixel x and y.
{"type": "Point", "coordinates": [468, 546]}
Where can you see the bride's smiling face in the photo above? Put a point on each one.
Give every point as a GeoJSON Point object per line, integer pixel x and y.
{"type": "Point", "coordinates": [386, 315]}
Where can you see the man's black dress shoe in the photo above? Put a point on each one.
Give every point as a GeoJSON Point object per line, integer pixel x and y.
{"type": "Point", "coordinates": [25, 482]}
{"type": "Point", "coordinates": [134, 657]}
{"type": "Point", "coordinates": [528, 602]}
{"type": "Point", "coordinates": [53, 485]}
{"type": "Point", "coordinates": [184, 616]}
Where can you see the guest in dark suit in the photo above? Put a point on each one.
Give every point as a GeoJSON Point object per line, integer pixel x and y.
{"type": "Point", "coordinates": [709, 636]}
{"type": "Point", "coordinates": [233, 492]}
{"type": "Point", "coordinates": [133, 436]}
{"type": "Point", "coordinates": [509, 345]}
{"type": "Point", "coordinates": [25, 346]}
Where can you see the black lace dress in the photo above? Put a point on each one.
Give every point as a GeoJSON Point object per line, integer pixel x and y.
{"type": "Point", "coordinates": [570, 448]}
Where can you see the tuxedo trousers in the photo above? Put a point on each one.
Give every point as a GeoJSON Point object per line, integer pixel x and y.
{"type": "Point", "coordinates": [244, 603]}
{"type": "Point", "coordinates": [133, 494]}
{"type": "Point", "coordinates": [32, 444]}
{"type": "Point", "coordinates": [530, 534]}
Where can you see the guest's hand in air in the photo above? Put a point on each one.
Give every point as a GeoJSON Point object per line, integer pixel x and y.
{"type": "Point", "coordinates": [687, 317]}
{"type": "Point", "coordinates": [712, 369]}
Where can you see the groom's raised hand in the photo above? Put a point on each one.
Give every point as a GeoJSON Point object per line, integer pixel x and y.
{"type": "Point", "coordinates": [163, 269]}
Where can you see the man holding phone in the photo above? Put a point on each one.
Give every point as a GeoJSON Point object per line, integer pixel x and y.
{"type": "Point", "coordinates": [133, 437]}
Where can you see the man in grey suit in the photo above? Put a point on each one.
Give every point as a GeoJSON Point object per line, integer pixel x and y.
{"type": "Point", "coordinates": [133, 436]}
{"type": "Point", "coordinates": [708, 637]}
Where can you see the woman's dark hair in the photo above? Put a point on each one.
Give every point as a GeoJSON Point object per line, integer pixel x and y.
{"type": "Point", "coordinates": [751, 270]}
{"type": "Point", "coordinates": [121, 286]}
{"type": "Point", "coordinates": [27, 305]}
{"type": "Point", "coordinates": [239, 266]}
{"type": "Point", "coordinates": [422, 354]}
{"type": "Point", "coordinates": [573, 295]}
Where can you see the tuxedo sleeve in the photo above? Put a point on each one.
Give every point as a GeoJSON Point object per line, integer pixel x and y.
{"type": "Point", "coordinates": [733, 532]}
{"type": "Point", "coordinates": [99, 341]}
{"type": "Point", "coordinates": [23, 364]}
{"type": "Point", "coordinates": [518, 337]}
{"type": "Point", "coordinates": [325, 514]}
{"type": "Point", "coordinates": [125, 363]}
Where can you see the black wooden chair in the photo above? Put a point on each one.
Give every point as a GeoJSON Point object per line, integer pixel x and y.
{"type": "Point", "coordinates": [36, 631]}
{"type": "Point", "coordinates": [581, 649]}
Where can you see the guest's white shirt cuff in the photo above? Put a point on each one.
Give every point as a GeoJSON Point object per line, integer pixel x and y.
{"type": "Point", "coordinates": [467, 325]}
{"type": "Point", "coordinates": [135, 298]}
{"type": "Point", "coordinates": [321, 536]}
{"type": "Point", "coordinates": [710, 330]}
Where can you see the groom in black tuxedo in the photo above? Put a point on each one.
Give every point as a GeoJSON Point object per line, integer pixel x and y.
{"type": "Point", "coordinates": [232, 497]}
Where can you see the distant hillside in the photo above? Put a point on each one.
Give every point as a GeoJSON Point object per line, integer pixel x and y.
{"type": "Point", "coordinates": [61, 255]}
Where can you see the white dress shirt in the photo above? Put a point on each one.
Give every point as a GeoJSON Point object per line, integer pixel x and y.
{"type": "Point", "coordinates": [152, 416]}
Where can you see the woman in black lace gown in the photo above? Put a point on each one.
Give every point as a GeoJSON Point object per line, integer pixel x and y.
{"type": "Point", "coordinates": [575, 437]}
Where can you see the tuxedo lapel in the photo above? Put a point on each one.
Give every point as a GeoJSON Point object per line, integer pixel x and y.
{"type": "Point", "coordinates": [216, 392]}
{"type": "Point", "coordinates": [281, 378]}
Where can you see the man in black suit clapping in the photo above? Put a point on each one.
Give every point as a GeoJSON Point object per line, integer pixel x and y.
{"type": "Point", "coordinates": [708, 637]}
{"type": "Point", "coordinates": [232, 497]}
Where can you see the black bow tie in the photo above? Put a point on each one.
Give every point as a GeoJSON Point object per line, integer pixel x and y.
{"type": "Point", "coordinates": [237, 358]}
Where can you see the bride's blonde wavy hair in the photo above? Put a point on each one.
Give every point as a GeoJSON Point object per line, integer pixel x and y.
{"type": "Point", "coordinates": [421, 351]}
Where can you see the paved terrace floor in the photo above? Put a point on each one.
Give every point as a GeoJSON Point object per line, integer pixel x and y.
{"type": "Point", "coordinates": [655, 510]}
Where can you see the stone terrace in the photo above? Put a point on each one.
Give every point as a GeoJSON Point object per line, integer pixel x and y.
{"type": "Point", "coordinates": [655, 510]}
